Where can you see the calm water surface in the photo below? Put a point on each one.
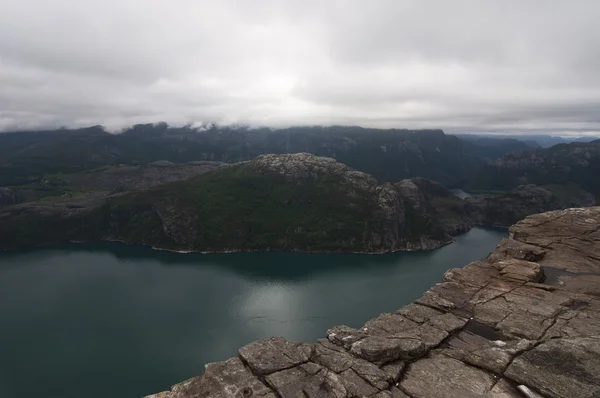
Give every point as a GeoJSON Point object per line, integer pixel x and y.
{"type": "Point", "coordinates": [110, 320]}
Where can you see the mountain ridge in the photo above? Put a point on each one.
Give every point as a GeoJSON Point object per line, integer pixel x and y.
{"type": "Point", "coordinates": [573, 163]}
{"type": "Point", "coordinates": [389, 155]}
{"type": "Point", "coordinates": [274, 202]}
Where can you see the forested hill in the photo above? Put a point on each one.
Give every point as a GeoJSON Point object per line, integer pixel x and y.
{"type": "Point", "coordinates": [274, 202]}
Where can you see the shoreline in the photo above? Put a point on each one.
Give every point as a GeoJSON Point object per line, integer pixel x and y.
{"type": "Point", "coordinates": [268, 250]}
{"type": "Point", "coordinates": [231, 251]}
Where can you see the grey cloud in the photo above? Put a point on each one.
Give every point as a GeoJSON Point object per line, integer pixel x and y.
{"type": "Point", "coordinates": [461, 65]}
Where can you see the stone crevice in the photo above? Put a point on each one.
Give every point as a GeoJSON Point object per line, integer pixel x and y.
{"type": "Point", "coordinates": [399, 386]}
{"type": "Point", "coordinates": [257, 376]}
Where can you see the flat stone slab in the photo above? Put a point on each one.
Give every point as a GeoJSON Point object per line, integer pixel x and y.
{"type": "Point", "coordinates": [225, 379]}
{"type": "Point", "coordinates": [273, 354]}
{"type": "Point", "coordinates": [382, 350]}
{"type": "Point", "coordinates": [307, 381]}
{"type": "Point", "coordinates": [587, 284]}
{"type": "Point", "coordinates": [387, 324]}
{"type": "Point", "coordinates": [561, 368]}
{"type": "Point", "coordinates": [418, 313]}
{"type": "Point", "coordinates": [569, 238]}
{"type": "Point", "coordinates": [442, 377]}
{"type": "Point", "coordinates": [491, 355]}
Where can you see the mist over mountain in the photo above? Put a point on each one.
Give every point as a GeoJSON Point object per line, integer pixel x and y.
{"type": "Point", "coordinates": [387, 154]}
{"type": "Point", "coordinates": [534, 140]}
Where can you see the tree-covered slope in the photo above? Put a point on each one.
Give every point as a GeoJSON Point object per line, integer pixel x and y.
{"type": "Point", "coordinates": [274, 202]}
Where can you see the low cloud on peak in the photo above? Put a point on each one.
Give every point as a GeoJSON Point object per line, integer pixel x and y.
{"type": "Point", "coordinates": [464, 66]}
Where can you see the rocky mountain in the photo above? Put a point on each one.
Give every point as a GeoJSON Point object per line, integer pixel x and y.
{"type": "Point", "coordinates": [389, 155]}
{"type": "Point", "coordinates": [560, 165]}
{"type": "Point", "coordinates": [496, 146]}
{"type": "Point", "coordinates": [524, 200]}
{"type": "Point", "coordinates": [535, 140]}
{"type": "Point", "coordinates": [429, 197]}
{"type": "Point", "coordinates": [111, 179]}
{"type": "Point", "coordinates": [274, 202]}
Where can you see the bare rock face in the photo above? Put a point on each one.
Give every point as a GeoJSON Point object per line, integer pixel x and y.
{"type": "Point", "coordinates": [388, 204]}
{"type": "Point", "coordinates": [381, 350]}
{"type": "Point", "coordinates": [441, 377]}
{"type": "Point", "coordinates": [561, 367]}
{"type": "Point", "coordinates": [503, 327]}
{"type": "Point", "coordinates": [221, 380]}
{"type": "Point", "coordinates": [568, 237]}
{"type": "Point", "coordinates": [523, 201]}
{"type": "Point", "coordinates": [307, 380]}
{"type": "Point", "coordinates": [306, 166]}
{"type": "Point", "coordinates": [272, 355]}
{"type": "Point", "coordinates": [412, 194]}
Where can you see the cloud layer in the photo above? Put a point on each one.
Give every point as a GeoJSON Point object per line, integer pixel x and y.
{"type": "Point", "coordinates": [464, 66]}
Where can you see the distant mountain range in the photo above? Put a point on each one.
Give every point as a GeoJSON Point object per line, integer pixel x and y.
{"type": "Point", "coordinates": [575, 164]}
{"type": "Point", "coordinates": [534, 140]}
{"type": "Point", "coordinates": [390, 155]}
{"type": "Point", "coordinates": [237, 188]}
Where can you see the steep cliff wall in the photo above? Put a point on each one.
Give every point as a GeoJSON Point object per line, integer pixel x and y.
{"type": "Point", "coordinates": [524, 322]}
{"type": "Point", "coordinates": [565, 164]}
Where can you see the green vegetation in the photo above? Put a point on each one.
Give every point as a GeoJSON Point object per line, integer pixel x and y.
{"type": "Point", "coordinates": [243, 209]}
{"type": "Point", "coordinates": [23, 228]}
{"type": "Point", "coordinates": [285, 202]}
{"type": "Point", "coordinates": [62, 195]}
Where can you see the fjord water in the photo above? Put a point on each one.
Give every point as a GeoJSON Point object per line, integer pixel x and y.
{"type": "Point", "coordinates": [99, 320]}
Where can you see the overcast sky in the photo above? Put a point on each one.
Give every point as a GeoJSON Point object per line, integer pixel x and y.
{"type": "Point", "coordinates": [463, 66]}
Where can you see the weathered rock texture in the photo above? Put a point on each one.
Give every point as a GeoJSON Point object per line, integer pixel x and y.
{"type": "Point", "coordinates": [495, 328]}
{"type": "Point", "coordinates": [566, 164]}
{"type": "Point", "coordinates": [524, 200]}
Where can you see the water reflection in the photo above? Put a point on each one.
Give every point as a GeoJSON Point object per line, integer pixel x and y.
{"type": "Point", "coordinates": [122, 321]}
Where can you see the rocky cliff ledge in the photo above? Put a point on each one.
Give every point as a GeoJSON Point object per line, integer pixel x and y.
{"type": "Point", "coordinates": [524, 322]}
